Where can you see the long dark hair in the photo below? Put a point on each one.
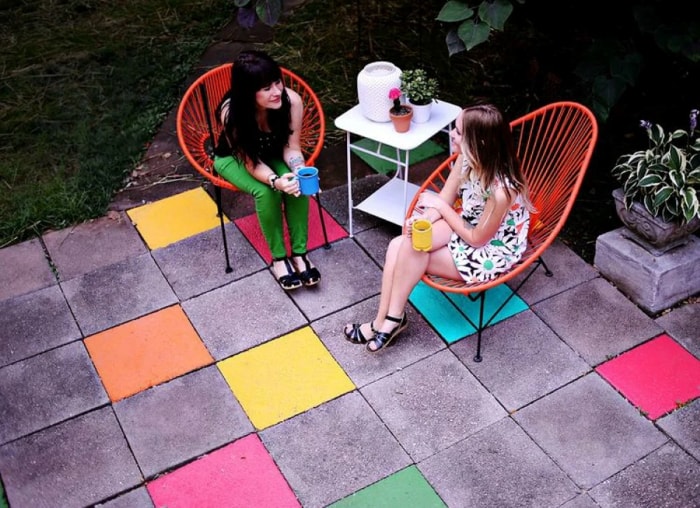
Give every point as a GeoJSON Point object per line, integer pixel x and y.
{"type": "Point", "coordinates": [487, 144]}
{"type": "Point", "coordinates": [251, 71]}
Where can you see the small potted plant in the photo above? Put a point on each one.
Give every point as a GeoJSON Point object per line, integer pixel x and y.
{"type": "Point", "coordinates": [421, 91]}
{"type": "Point", "coordinates": [400, 114]}
{"type": "Point", "coordinates": [659, 198]}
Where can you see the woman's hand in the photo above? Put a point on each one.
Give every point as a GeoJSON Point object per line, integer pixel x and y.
{"type": "Point", "coordinates": [289, 184]}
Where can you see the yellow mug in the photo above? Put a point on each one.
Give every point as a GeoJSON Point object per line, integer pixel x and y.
{"type": "Point", "coordinates": [422, 235]}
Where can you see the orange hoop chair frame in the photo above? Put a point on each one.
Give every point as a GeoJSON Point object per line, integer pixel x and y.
{"type": "Point", "coordinates": [198, 129]}
{"type": "Point", "coordinates": [554, 145]}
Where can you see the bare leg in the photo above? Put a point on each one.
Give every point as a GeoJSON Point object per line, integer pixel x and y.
{"type": "Point", "coordinates": [408, 268]}
{"type": "Point", "coordinates": [390, 260]}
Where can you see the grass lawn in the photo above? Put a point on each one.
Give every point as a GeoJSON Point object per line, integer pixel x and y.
{"type": "Point", "coordinates": [84, 86]}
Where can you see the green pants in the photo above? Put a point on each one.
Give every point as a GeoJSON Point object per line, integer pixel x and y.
{"type": "Point", "coordinates": [270, 205]}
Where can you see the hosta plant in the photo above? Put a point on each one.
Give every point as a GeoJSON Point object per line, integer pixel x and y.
{"type": "Point", "coordinates": [665, 177]}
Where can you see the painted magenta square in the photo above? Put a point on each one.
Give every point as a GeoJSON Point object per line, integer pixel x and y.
{"type": "Point", "coordinates": [657, 377]}
{"type": "Point", "coordinates": [241, 474]}
{"type": "Point", "coordinates": [250, 227]}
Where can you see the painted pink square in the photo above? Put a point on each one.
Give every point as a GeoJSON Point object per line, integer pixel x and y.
{"type": "Point", "coordinates": [241, 474]}
{"type": "Point", "coordinates": [656, 376]}
{"type": "Point", "coordinates": [250, 227]}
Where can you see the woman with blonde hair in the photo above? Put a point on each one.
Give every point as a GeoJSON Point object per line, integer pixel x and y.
{"type": "Point", "coordinates": [486, 239]}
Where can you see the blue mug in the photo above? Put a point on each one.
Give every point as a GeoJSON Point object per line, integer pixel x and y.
{"type": "Point", "coordinates": [308, 180]}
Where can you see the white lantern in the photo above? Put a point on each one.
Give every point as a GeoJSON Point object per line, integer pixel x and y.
{"type": "Point", "coordinates": [373, 85]}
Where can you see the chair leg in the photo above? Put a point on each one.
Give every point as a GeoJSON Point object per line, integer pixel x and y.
{"type": "Point", "coordinates": [323, 222]}
{"type": "Point", "coordinates": [217, 191]}
{"type": "Point", "coordinates": [482, 303]}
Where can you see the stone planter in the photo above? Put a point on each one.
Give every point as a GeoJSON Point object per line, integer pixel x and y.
{"type": "Point", "coordinates": [421, 112]}
{"type": "Point", "coordinates": [651, 232]}
{"type": "Point", "coordinates": [373, 85]}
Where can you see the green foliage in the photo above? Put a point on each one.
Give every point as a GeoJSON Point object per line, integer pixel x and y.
{"type": "Point", "coordinates": [418, 87]}
{"type": "Point", "coordinates": [249, 11]}
{"type": "Point", "coordinates": [85, 85]}
{"type": "Point", "coordinates": [473, 23]}
{"type": "Point", "coordinates": [665, 178]}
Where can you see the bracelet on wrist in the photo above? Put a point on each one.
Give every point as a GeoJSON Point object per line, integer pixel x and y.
{"type": "Point", "coordinates": [272, 179]}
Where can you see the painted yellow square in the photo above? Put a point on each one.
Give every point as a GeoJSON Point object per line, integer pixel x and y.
{"type": "Point", "coordinates": [175, 218]}
{"type": "Point", "coordinates": [284, 377]}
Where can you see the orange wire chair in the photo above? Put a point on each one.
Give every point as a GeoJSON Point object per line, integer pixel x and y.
{"type": "Point", "coordinates": [554, 144]}
{"type": "Point", "coordinates": [198, 129]}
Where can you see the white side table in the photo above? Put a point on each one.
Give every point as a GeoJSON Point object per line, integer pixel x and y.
{"type": "Point", "coordinates": [391, 200]}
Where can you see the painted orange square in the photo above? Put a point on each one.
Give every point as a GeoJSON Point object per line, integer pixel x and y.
{"type": "Point", "coordinates": [147, 351]}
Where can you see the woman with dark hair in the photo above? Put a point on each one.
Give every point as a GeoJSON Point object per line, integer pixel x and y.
{"type": "Point", "coordinates": [259, 152]}
{"type": "Point", "coordinates": [485, 239]}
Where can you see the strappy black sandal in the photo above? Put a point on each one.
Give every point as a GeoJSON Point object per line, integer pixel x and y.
{"type": "Point", "coordinates": [384, 339]}
{"type": "Point", "coordinates": [355, 334]}
{"type": "Point", "coordinates": [289, 280]}
{"type": "Point", "coordinates": [310, 276]}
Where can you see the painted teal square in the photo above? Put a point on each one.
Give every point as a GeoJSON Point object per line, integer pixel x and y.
{"type": "Point", "coordinates": [407, 487]}
{"type": "Point", "coordinates": [445, 311]}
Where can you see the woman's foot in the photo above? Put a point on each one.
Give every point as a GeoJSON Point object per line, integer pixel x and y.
{"type": "Point", "coordinates": [384, 339]}
{"type": "Point", "coordinates": [285, 274]}
{"type": "Point", "coordinates": [307, 272]}
{"type": "Point", "coordinates": [360, 333]}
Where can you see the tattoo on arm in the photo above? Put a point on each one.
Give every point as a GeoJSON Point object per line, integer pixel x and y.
{"type": "Point", "coordinates": [295, 162]}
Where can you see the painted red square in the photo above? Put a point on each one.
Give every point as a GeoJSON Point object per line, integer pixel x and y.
{"type": "Point", "coordinates": [241, 474]}
{"type": "Point", "coordinates": [656, 376]}
{"type": "Point", "coordinates": [250, 227]}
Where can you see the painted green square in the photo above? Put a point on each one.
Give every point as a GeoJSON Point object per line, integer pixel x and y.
{"type": "Point", "coordinates": [420, 153]}
{"type": "Point", "coordinates": [446, 311]}
{"type": "Point", "coordinates": [407, 487]}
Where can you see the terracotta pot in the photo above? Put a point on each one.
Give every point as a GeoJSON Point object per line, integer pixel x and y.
{"type": "Point", "coordinates": [402, 122]}
{"type": "Point", "coordinates": [660, 235]}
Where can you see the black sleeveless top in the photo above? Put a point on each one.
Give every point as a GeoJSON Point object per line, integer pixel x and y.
{"type": "Point", "coordinates": [270, 146]}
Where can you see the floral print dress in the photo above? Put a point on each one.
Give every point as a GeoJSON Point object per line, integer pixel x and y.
{"type": "Point", "coordinates": [503, 250]}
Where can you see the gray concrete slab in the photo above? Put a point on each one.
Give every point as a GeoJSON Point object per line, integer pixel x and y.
{"type": "Point", "coordinates": [46, 389]}
{"type": "Point", "coordinates": [432, 404]}
{"type": "Point", "coordinates": [33, 323]}
{"type": "Point", "coordinates": [523, 360]}
{"type": "Point", "coordinates": [243, 314]}
{"type": "Point", "coordinates": [376, 240]}
{"type": "Point", "coordinates": [92, 245]}
{"type": "Point", "coordinates": [187, 417]}
{"type": "Point", "coordinates": [77, 463]}
{"type": "Point", "coordinates": [137, 498]}
{"type": "Point", "coordinates": [499, 466]}
{"type": "Point", "coordinates": [197, 264]}
{"type": "Point", "coordinates": [418, 341]}
{"type": "Point", "coordinates": [568, 270]}
{"type": "Point", "coordinates": [596, 320]}
{"type": "Point", "coordinates": [335, 201]}
{"type": "Point", "coordinates": [348, 276]}
{"type": "Point", "coordinates": [589, 430]}
{"type": "Point", "coordinates": [334, 450]}
{"type": "Point", "coordinates": [683, 426]}
{"type": "Point", "coordinates": [667, 477]}
{"type": "Point", "coordinates": [117, 293]}
{"type": "Point", "coordinates": [23, 269]}
{"type": "Point", "coordinates": [683, 324]}
{"type": "Point", "coordinates": [581, 501]}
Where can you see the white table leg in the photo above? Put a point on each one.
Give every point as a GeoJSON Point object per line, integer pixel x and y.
{"type": "Point", "coordinates": [349, 167]}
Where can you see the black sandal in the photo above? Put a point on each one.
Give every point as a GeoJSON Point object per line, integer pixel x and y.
{"type": "Point", "coordinates": [356, 336]}
{"type": "Point", "coordinates": [384, 339]}
{"type": "Point", "coordinates": [289, 280]}
{"type": "Point", "coordinates": [310, 276]}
